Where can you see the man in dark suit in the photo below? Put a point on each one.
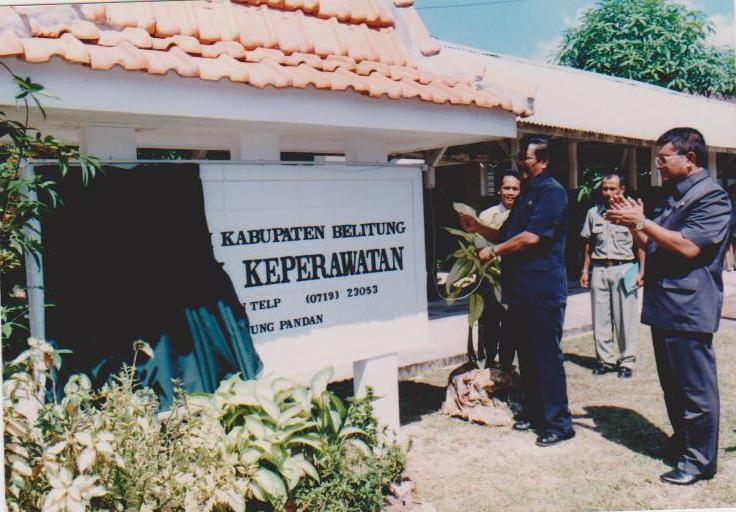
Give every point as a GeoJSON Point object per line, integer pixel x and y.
{"type": "Point", "coordinates": [683, 297]}
{"type": "Point", "coordinates": [534, 285]}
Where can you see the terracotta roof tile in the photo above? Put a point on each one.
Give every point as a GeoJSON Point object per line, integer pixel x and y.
{"type": "Point", "coordinates": [419, 32]}
{"type": "Point", "coordinates": [325, 44]}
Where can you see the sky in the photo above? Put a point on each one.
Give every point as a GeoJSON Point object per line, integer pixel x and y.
{"type": "Point", "coordinates": [532, 28]}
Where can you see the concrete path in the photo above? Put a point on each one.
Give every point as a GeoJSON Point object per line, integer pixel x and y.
{"type": "Point", "coordinates": [448, 330]}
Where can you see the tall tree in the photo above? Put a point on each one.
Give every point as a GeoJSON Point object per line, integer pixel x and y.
{"type": "Point", "coordinates": [655, 41]}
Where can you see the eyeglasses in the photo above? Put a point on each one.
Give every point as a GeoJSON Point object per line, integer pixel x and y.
{"type": "Point", "coordinates": [663, 159]}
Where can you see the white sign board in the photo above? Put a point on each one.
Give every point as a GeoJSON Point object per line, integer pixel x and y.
{"type": "Point", "coordinates": [328, 260]}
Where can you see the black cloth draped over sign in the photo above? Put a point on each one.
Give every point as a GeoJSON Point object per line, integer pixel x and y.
{"type": "Point", "coordinates": [128, 257]}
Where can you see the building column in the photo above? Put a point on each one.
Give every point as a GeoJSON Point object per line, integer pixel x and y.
{"type": "Point", "coordinates": [382, 375]}
{"type": "Point", "coordinates": [656, 177]}
{"type": "Point", "coordinates": [109, 142]}
{"type": "Point", "coordinates": [713, 164]}
{"type": "Point", "coordinates": [633, 166]}
{"type": "Point", "coordinates": [256, 146]}
{"type": "Point", "coordinates": [572, 169]}
{"type": "Point", "coordinates": [514, 152]}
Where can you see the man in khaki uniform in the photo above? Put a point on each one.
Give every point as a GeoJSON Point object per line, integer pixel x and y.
{"type": "Point", "coordinates": [609, 250]}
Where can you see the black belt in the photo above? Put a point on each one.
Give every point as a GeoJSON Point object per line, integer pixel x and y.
{"type": "Point", "coordinates": [611, 263]}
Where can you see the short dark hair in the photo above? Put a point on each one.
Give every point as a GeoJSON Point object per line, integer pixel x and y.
{"type": "Point", "coordinates": [614, 174]}
{"type": "Point", "coordinates": [541, 149]}
{"type": "Point", "coordinates": [685, 140]}
{"type": "Point", "coordinates": [504, 174]}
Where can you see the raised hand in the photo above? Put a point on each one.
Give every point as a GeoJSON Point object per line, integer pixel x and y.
{"type": "Point", "coordinates": [625, 211]}
{"type": "Point", "coordinates": [468, 223]}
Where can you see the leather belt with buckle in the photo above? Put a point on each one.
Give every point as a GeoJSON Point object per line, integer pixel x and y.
{"type": "Point", "coordinates": [612, 263]}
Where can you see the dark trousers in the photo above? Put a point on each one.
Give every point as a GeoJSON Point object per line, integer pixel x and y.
{"type": "Point", "coordinates": [492, 331]}
{"type": "Point", "coordinates": [538, 331]}
{"type": "Point", "coordinates": [686, 362]}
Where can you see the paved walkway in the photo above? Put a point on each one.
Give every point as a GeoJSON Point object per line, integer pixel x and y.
{"type": "Point", "coordinates": [448, 329]}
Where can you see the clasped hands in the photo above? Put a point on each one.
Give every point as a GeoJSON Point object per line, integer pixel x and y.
{"type": "Point", "coordinates": [625, 211]}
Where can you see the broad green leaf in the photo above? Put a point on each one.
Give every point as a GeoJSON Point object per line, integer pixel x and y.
{"type": "Point", "coordinates": [338, 405]}
{"type": "Point", "coordinates": [320, 380]}
{"type": "Point", "coordinates": [301, 396]}
{"type": "Point", "coordinates": [459, 270]}
{"type": "Point", "coordinates": [269, 406]}
{"type": "Point", "coordinates": [475, 308]}
{"type": "Point", "coordinates": [480, 242]}
{"type": "Point", "coordinates": [250, 456]}
{"type": "Point", "coordinates": [271, 484]}
{"type": "Point", "coordinates": [309, 469]}
{"type": "Point", "coordinates": [350, 431]}
{"type": "Point", "coordinates": [335, 421]}
{"type": "Point", "coordinates": [460, 233]}
{"type": "Point", "coordinates": [292, 470]}
{"type": "Point", "coordinates": [307, 440]}
{"type": "Point", "coordinates": [255, 427]}
{"type": "Point", "coordinates": [290, 413]}
{"type": "Point", "coordinates": [362, 446]}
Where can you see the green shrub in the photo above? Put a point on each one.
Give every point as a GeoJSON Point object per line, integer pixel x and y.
{"type": "Point", "coordinates": [250, 444]}
{"type": "Point", "coordinates": [354, 479]}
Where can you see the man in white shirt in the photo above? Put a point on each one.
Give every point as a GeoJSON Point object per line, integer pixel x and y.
{"type": "Point", "coordinates": [492, 336]}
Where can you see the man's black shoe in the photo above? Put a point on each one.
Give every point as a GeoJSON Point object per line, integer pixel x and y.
{"type": "Point", "coordinates": [522, 425]}
{"type": "Point", "coordinates": [553, 438]}
{"type": "Point", "coordinates": [679, 477]}
{"type": "Point", "coordinates": [602, 369]}
{"type": "Point", "coordinates": [625, 373]}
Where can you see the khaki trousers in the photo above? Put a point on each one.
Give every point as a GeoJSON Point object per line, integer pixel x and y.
{"type": "Point", "coordinates": [614, 316]}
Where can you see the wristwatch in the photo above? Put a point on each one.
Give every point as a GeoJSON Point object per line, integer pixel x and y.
{"type": "Point", "coordinates": [640, 225]}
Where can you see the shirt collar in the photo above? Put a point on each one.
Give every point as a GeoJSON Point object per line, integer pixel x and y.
{"type": "Point", "coordinates": [681, 187]}
{"type": "Point", "coordinates": [502, 208]}
{"type": "Point", "coordinates": [538, 179]}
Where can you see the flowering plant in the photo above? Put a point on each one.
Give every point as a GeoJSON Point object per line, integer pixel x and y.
{"type": "Point", "coordinates": [113, 450]}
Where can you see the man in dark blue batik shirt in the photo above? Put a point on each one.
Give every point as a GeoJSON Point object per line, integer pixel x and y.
{"type": "Point", "coordinates": [534, 284]}
{"type": "Point", "coordinates": [683, 297]}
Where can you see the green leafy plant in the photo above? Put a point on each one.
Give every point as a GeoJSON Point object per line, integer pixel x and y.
{"type": "Point", "coordinates": [285, 428]}
{"type": "Point", "coordinates": [590, 182]}
{"type": "Point", "coordinates": [355, 477]}
{"type": "Point", "coordinates": [110, 449]}
{"type": "Point", "coordinates": [250, 443]}
{"type": "Point", "coordinates": [655, 41]}
{"type": "Point", "coordinates": [24, 197]}
{"type": "Point", "coordinates": [468, 271]}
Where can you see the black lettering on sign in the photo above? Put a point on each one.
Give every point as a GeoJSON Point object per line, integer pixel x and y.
{"type": "Point", "coordinates": [310, 267]}
{"type": "Point", "coordinates": [271, 235]}
{"type": "Point", "coordinates": [262, 328]}
{"type": "Point", "coordinates": [303, 321]}
{"type": "Point", "coordinates": [368, 229]}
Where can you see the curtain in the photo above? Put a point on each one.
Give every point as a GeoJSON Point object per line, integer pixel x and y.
{"type": "Point", "coordinates": [128, 257]}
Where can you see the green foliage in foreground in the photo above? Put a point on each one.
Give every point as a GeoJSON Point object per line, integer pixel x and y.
{"type": "Point", "coordinates": [655, 41]}
{"type": "Point", "coordinates": [264, 444]}
{"type": "Point", "coordinates": [24, 198]}
{"type": "Point", "coordinates": [352, 481]}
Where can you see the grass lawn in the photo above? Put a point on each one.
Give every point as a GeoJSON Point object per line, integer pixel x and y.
{"type": "Point", "coordinates": [461, 467]}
